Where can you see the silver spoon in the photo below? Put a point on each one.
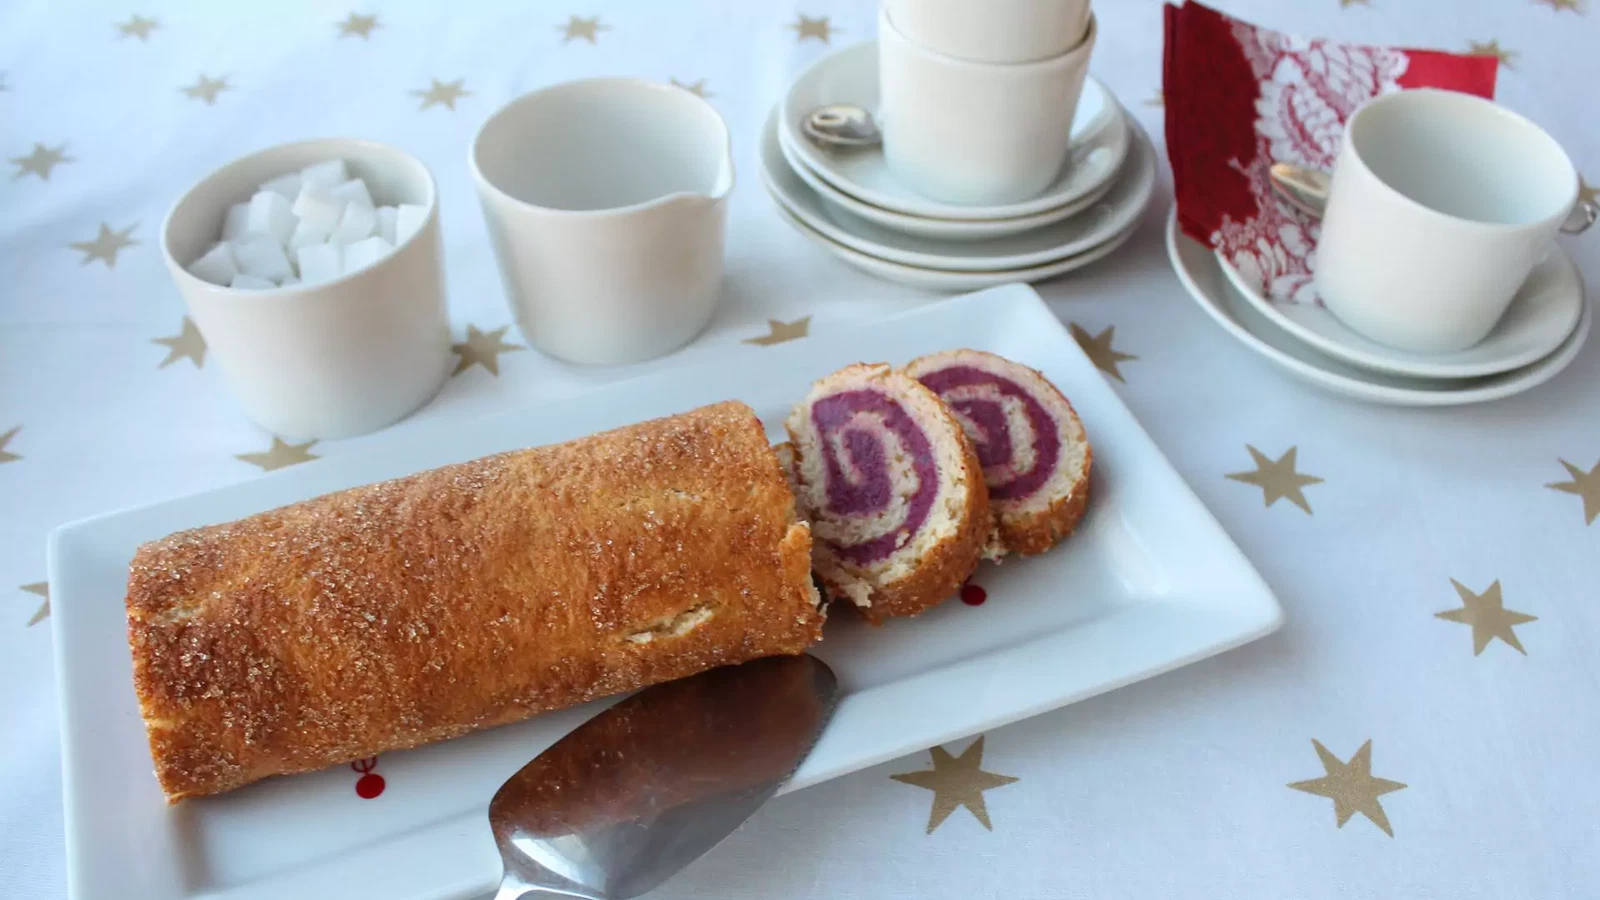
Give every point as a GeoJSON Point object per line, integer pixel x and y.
{"type": "Point", "coordinates": [633, 795]}
{"type": "Point", "coordinates": [1307, 190]}
{"type": "Point", "coordinates": [841, 126]}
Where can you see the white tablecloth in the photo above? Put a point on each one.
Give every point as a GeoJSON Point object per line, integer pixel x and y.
{"type": "Point", "coordinates": [1175, 787]}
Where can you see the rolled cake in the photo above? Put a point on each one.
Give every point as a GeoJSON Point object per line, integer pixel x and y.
{"type": "Point", "coordinates": [1032, 446]}
{"type": "Point", "coordinates": [893, 490]}
{"type": "Point", "coordinates": [397, 614]}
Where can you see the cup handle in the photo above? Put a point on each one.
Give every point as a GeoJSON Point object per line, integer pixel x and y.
{"type": "Point", "coordinates": [1583, 214]}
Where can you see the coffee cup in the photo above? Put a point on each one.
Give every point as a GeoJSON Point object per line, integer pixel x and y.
{"type": "Point", "coordinates": [995, 31]}
{"type": "Point", "coordinates": [606, 201]}
{"type": "Point", "coordinates": [976, 133]}
{"type": "Point", "coordinates": [1441, 204]}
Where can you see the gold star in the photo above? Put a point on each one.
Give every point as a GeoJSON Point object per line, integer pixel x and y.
{"type": "Point", "coordinates": [106, 245]}
{"type": "Point", "coordinates": [483, 349]}
{"type": "Point", "coordinates": [3, 85]}
{"type": "Point", "coordinates": [1487, 615]}
{"type": "Point", "coordinates": [1351, 786]}
{"type": "Point", "coordinates": [443, 93]}
{"type": "Point", "coordinates": [1559, 5]}
{"type": "Point", "coordinates": [6, 439]}
{"type": "Point", "coordinates": [138, 27]}
{"type": "Point", "coordinates": [41, 161]}
{"type": "Point", "coordinates": [360, 26]}
{"type": "Point", "coordinates": [207, 89]}
{"type": "Point", "coordinates": [1346, 4]}
{"type": "Point", "coordinates": [813, 28]}
{"type": "Point", "coordinates": [778, 332]}
{"type": "Point", "coordinates": [1587, 192]}
{"type": "Point", "coordinates": [1585, 485]}
{"type": "Point", "coordinates": [579, 27]}
{"type": "Point", "coordinates": [956, 781]}
{"type": "Point", "coordinates": [698, 88]}
{"type": "Point", "coordinates": [1491, 48]}
{"type": "Point", "coordinates": [1099, 349]}
{"type": "Point", "coordinates": [280, 455]}
{"type": "Point", "coordinates": [1277, 478]}
{"type": "Point", "coordinates": [42, 589]}
{"type": "Point", "coordinates": [187, 344]}
{"type": "Point", "coordinates": [1160, 99]}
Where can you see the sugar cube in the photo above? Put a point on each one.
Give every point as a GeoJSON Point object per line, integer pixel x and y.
{"type": "Point", "coordinates": [262, 256]}
{"type": "Point", "coordinates": [355, 223]}
{"type": "Point", "coordinates": [287, 185]}
{"type": "Point", "coordinates": [408, 219]}
{"type": "Point", "coordinates": [318, 263]}
{"type": "Point", "coordinates": [386, 223]}
{"type": "Point", "coordinates": [352, 191]}
{"type": "Point", "coordinates": [325, 175]}
{"type": "Point", "coordinates": [365, 252]}
{"type": "Point", "coordinates": [305, 236]}
{"type": "Point", "coordinates": [317, 208]}
{"type": "Point", "coordinates": [216, 266]}
{"type": "Point", "coordinates": [270, 213]}
{"type": "Point", "coordinates": [251, 283]}
{"type": "Point", "coordinates": [237, 222]}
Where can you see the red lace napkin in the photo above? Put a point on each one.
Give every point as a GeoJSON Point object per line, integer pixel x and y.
{"type": "Point", "coordinates": [1240, 98]}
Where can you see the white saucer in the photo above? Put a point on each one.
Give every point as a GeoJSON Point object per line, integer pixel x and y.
{"type": "Point", "coordinates": [945, 280]}
{"type": "Point", "coordinates": [850, 75]}
{"type": "Point", "coordinates": [1197, 267]}
{"type": "Point", "coordinates": [938, 229]}
{"type": "Point", "coordinates": [1541, 316]}
{"type": "Point", "coordinates": [1119, 209]}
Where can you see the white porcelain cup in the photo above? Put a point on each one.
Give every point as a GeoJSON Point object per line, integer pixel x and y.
{"type": "Point", "coordinates": [606, 201]}
{"type": "Point", "coordinates": [330, 360]}
{"type": "Point", "coordinates": [976, 133]}
{"type": "Point", "coordinates": [996, 31]}
{"type": "Point", "coordinates": [1441, 203]}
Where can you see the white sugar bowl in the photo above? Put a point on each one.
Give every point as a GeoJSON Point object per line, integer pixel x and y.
{"type": "Point", "coordinates": [341, 357]}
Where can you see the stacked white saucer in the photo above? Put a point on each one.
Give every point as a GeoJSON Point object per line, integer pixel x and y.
{"type": "Point", "coordinates": [850, 202]}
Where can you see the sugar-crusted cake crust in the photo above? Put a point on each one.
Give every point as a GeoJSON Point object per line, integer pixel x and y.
{"type": "Point", "coordinates": [406, 612]}
{"type": "Point", "coordinates": [944, 564]}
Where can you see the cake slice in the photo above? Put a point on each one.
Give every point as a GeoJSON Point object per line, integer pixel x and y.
{"type": "Point", "coordinates": [892, 488]}
{"type": "Point", "coordinates": [1030, 442]}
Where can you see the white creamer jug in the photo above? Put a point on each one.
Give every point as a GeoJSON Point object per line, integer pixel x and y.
{"type": "Point", "coordinates": [606, 201]}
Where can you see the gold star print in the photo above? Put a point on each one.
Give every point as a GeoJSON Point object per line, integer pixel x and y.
{"type": "Point", "coordinates": [41, 161]}
{"type": "Point", "coordinates": [698, 88]}
{"type": "Point", "coordinates": [1585, 485]}
{"type": "Point", "coordinates": [579, 27]}
{"type": "Point", "coordinates": [1099, 350]}
{"type": "Point", "coordinates": [1277, 478]}
{"type": "Point", "coordinates": [207, 89]}
{"type": "Point", "coordinates": [3, 85]}
{"type": "Point", "coordinates": [778, 332]}
{"type": "Point", "coordinates": [1491, 48]}
{"type": "Point", "coordinates": [358, 25]}
{"type": "Point", "coordinates": [1160, 99]}
{"type": "Point", "coordinates": [1351, 786]}
{"type": "Point", "coordinates": [808, 27]}
{"type": "Point", "coordinates": [105, 245]}
{"type": "Point", "coordinates": [956, 781]}
{"type": "Point", "coordinates": [1559, 5]}
{"type": "Point", "coordinates": [483, 349]}
{"type": "Point", "coordinates": [1587, 192]}
{"type": "Point", "coordinates": [1346, 4]}
{"type": "Point", "coordinates": [280, 455]}
{"type": "Point", "coordinates": [6, 439]}
{"type": "Point", "coordinates": [42, 589]}
{"type": "Point", "coordinates": [138, 27]}
{"type": "Point", "coordinates": [1488, 616]}
{"type": "Point", "coordinates": [186, 344]}
{"type": "Point", "coordinates": [443, 93]}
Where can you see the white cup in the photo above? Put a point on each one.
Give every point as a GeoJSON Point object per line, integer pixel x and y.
{"type": "Point", "coordinates": [1440, 205]}
{"type": "Point", "coordinates": [606, 201]}
{"type": "Point", "coordinates": [996, 31]}
{"type": "Point", "coordinates": [976, 133]}
{"type": "Point", "coordinates": [334, 359]}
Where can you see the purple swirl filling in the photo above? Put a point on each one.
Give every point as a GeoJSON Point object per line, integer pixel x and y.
{"type": "Point", "coordinates": [993, 436]}
{"type": "Point", "coordinates": [867, 489]}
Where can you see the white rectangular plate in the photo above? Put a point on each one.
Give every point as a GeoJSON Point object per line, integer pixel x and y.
{"type": "Point", "coordinates": [1150, 582]}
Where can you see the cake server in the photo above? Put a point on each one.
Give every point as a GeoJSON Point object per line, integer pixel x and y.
{"type": "Point", "coordinates": [630, 797]}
